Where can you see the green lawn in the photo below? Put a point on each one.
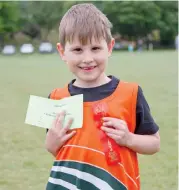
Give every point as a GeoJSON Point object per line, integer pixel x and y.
{"type": "Point", "coordinates": [24, 162]}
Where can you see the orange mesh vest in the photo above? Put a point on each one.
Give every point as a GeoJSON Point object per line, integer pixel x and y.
{"type": "Point", "coordinates": [81, 163]}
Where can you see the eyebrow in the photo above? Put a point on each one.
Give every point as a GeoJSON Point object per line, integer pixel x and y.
{"type": "Point", "coordinates": [81, 46]}
{"type": "Point", "coordinates": [75, 47]}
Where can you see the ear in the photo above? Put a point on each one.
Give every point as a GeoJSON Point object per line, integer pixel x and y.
{"type": "Point", "coordinates": [110, 46]}
{"type": "Point", "coordinates": [61, 51]}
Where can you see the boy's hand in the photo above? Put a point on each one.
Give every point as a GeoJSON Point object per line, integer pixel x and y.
{"type": "Point", "coordinates": [57, 135]}
{"type": "Point", "coordinates": [120, 133]}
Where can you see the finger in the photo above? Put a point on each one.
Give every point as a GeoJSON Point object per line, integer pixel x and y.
{"type": "Point", "coordinates": [68, 136]}
{"type": "Point", "coordinates": [107, 118]}
{"type": "Point", "coordinates": [60, 120]}
{"type": "Point", "coordinates": [68, 125]}
{"type": "Point", "coordinates": [113, 136]}
{"type": "Point", "coordinates": [112, 119]}
{"type": "Point", "coordinates": [123, 122]}
{"type": "Point", "coordinates": [115, 123]}
{"type": "Point", "coordinates": [55, 121]}
{"type": "Point", "coordinates": [109, 130]}
{"type": "Point", "coordinates": [120, 125]}
{"type": "Point", "coordinates": [108, 123]}
{"type": "Point", "coordinates": [115, 132]}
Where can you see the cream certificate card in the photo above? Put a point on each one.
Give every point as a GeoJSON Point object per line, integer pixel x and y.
{"type": "Point", "coordinates": [41, 112]}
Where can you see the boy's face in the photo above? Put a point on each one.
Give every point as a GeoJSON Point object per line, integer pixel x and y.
{"type": "Point", "coordinates": [87, 62]}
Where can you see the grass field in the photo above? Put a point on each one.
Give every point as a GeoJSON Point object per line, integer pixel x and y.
{"type": "Point", "coordinates": [24, 162]}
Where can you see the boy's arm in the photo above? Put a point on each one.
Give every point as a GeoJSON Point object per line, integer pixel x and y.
{"type": "Point", "coordinates": [146, 139]}
{"type": "Point", "coordinates": [144, 144]}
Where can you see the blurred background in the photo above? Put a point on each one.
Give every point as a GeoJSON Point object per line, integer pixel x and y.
{"type": "Point", "coordinates": [146, 52]}
{"type": "Point", "coordinates": [136, 24]}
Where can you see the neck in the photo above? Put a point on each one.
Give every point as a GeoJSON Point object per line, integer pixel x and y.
{"type": "Point", "coordinates": [103, 79]}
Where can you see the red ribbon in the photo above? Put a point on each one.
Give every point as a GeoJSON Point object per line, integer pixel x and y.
{"type": "Point", "coordinates": [110, 147]}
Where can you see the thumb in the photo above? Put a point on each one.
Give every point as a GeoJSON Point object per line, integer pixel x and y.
{"type": "Point", "coordinates": [68, 136]}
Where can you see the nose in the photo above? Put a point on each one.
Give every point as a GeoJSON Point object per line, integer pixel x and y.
{"type": "Point", "coordinates": [87, 58]}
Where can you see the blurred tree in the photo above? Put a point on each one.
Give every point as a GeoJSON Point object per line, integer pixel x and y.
{"type": "Point", "coordinates": [129, 18]}
{"type": "Point", "coordinates": [9, 16]}
{"type": "Point", "coordinates": [168, 23]}
{"type": "Point", "coordinates": [133, 18]}
{"type": "Point", "coordinates": [43, 16]}
{"type": "Point", "coordinates": [27, 25]}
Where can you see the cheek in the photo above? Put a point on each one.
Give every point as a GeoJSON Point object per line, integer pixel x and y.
{"type": "Point", "coordinates": [71, 66]}
{"type": "Point", "coordinates": [102, 61]}
{"type": "Point", "coordinates": [72, 61]}
{"type": "Point", "coordinates": [70, 58]}
{"type": "Point", "coordinates": [102, 57]}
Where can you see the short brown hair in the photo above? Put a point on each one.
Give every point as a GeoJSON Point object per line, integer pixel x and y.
{"type": "Point", "coordinates": [85, 21]}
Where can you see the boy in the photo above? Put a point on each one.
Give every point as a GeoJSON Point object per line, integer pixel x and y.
{"type": "Point", "coordinates": [117, 123]}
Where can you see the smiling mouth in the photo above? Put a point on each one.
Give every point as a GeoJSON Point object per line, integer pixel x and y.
{"type": "Point", "coordinates": [88, 68]}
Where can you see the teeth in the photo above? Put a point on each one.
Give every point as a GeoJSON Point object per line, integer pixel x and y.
{"type": "Point", "coordinates": [87, 68]}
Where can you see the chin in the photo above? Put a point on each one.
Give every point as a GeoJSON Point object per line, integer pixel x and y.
{"type": "Point", "coordinates": [90, 79]}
